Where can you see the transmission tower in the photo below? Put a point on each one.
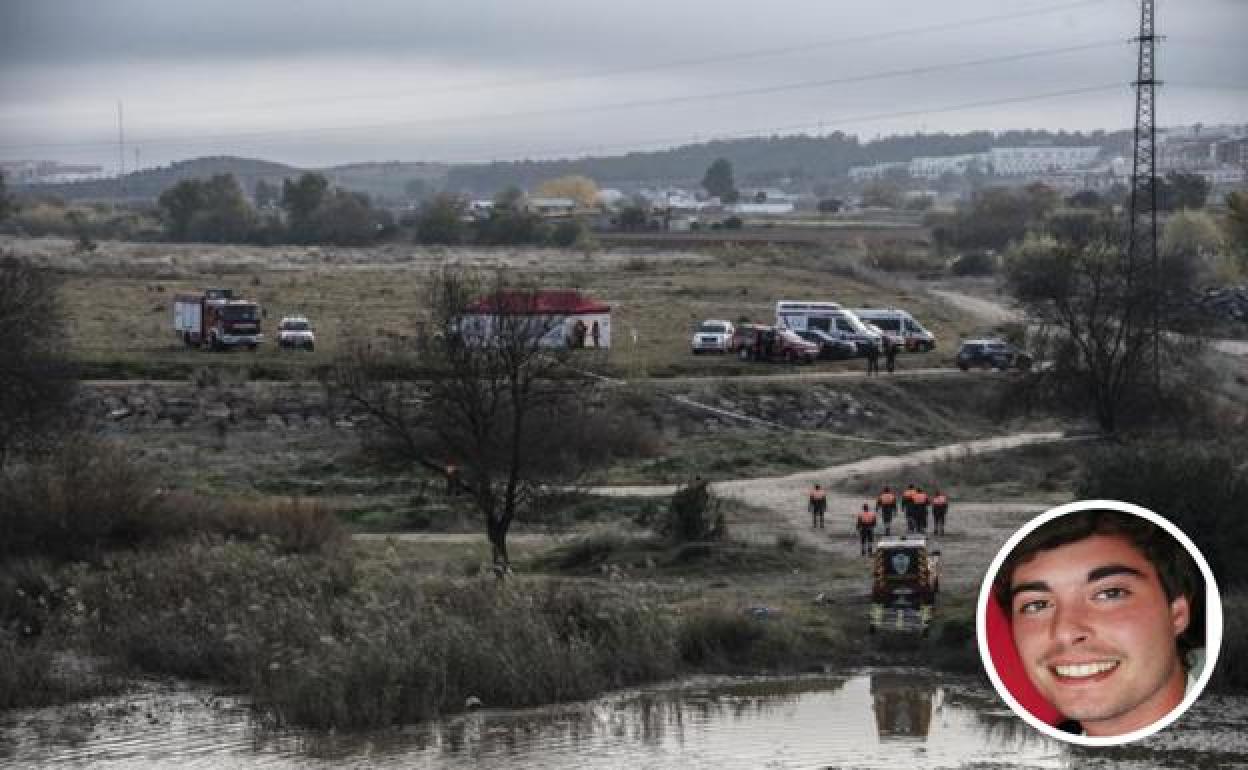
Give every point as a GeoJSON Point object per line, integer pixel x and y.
{"type": "Point", "coordinates": [1142, 246]}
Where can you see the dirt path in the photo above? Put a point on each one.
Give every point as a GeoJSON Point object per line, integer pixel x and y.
{"type": "Point", "coordinates": [997, 312]}
{"type": "Point", "coordinates": [975, 529]}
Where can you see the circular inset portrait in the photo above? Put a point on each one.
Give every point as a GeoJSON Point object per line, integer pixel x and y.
{"type": "Point", "coordinates": [1099, 622]}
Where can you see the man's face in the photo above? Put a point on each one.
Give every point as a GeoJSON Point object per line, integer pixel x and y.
{"type": "Point", "coordinates": [1096, 634]}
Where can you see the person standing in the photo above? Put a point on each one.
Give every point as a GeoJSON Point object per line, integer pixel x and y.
{"type": "Point", "coordinates": [890, 357]}
{"type": "Point", "coordinates": [818, 505]}
{"type": "Point", "coordinates": [940, 508]}
{"type": "Point", "coordinates": [921, 501]}
{"type": "Point", "coordinates": [886, 506]}
{"type": "Point", "coordinates": [866, 529]}
{"type": "Point", "coordinates": [873, 359]}
{"type": "Point", "coordinates": [594, 333]}
{"type": "Point", "coordinates": [907, 507]}
{"type": "Point", "coordinates": [452, 478]}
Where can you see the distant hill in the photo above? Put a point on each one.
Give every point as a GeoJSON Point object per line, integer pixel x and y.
{"type": "Point", "coordinates": [389, 181]}
{"type": "Point", "coordinates": [800, 159]}
{"type": "Point", "coordinates": [379, 180]}
{"type": "Point", "coordinates": [762, 161]}
{"type": "Point", "coordinates": [148, 184]}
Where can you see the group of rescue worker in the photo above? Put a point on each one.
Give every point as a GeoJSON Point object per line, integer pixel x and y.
{"type": "Point", "coordinates": [916, 504]}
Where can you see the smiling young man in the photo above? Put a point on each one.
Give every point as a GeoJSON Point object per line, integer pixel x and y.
{"type": "Point", "coordinates": [1107, 613]}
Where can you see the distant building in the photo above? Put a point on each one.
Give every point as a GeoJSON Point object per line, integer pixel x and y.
{"type": "Point", "coordinates": [877, 171]}
{"type": "Point", "coordinates": [1016, 161]}
{"type": "Point", "coordinates": [47, 172]}
{"type": "Point", "coordinates": [936, 167]}
{"type": "Point", "coordinates": [759, 208]}
{"type": "Point", "coordinates": [551, 207]}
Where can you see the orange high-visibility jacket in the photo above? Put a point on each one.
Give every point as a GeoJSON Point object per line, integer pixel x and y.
{"type": "Point", "coordinates": [887, 498]}
{"type": "Point", "coordinates": [866, 518]}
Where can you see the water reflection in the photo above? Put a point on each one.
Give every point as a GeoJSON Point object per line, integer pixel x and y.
{"type": "Point", "coordinates": [880, 718]}
{"type": "Point", "coordinates": [903, 705]}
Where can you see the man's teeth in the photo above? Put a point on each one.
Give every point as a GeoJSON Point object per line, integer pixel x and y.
{"type": "Point", "coordinates": [1085, 669]}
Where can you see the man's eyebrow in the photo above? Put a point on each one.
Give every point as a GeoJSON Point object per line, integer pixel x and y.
{"type": "Point", "coordinates": [1110, 570]}
{"type": "Point", "coordinates": [1031, 585]}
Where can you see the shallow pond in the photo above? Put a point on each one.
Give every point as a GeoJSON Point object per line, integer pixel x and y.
{"type": "Point", "coordinates": [885, 718]}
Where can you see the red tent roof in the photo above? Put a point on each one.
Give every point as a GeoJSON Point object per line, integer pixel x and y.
{"type": "Point", "coordinates": [540, 302]}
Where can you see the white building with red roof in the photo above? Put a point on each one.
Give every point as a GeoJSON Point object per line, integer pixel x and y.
{"type": "Point", "coordinates": [564, 317]}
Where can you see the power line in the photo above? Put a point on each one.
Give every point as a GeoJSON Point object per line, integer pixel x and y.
{"type": "Point", "coordinates": [566, 111]}
{"type": "Point", "coordinates": [724, 58]}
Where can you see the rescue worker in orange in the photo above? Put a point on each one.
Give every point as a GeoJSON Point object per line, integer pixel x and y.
{"type": "Point", "coordinates": [866, 529]}
{"type": "Point", "coordinates": [940, 508]}
{"type": "Point", "coordinates": [907, 507]}
{"type": "Point", "coordinates": [452, 478]}
{"type": "Point", "coordinates": [886, 506]}
{"type": "Point", "coordinates": [921, 501]}
{"type": "Point", "coordinates": [818, 505]}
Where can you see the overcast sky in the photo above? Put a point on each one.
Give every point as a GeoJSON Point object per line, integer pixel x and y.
{"type": "Point", "coordinates": [321, 82]}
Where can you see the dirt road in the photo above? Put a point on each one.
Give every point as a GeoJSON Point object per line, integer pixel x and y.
{"type": "Point", "coordinates": [975, 529]}
{"type": "Point", "coordinates": [999, 312]}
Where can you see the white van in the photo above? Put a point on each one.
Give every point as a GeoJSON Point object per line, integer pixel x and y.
{"type": "Point", "coordinates": [898, 322]}
{"type": "Point", "coordinates": [800, 315]}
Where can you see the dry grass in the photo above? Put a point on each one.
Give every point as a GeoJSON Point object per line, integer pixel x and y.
{"type": "Point", "coordinates": [120, 302]}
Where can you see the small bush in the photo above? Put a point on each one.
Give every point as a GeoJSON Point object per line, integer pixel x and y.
{"type": "Point", "coordinates": [694, 515]}
{"type": "Point", "coordinates": [893, 258]}
{"type": "Point", "coordinates": [85, 497]}
{"type": "Point", "coordinates": [721, 638]}
{"type": "Point", "coordinates": [975, 263]}
{"type": "Point", "coordinates": [786, 543]}
{"type": "Point", "coordinates": [294, 525]}
{"type": "Point", "coordinates": [588, 551]}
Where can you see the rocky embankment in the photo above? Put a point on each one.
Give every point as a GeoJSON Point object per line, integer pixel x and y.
{"type": "Point", "coordinates": [137, 406]}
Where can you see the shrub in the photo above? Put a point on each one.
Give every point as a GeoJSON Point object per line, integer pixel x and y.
{"type": "Point", "coordinates": [722, 638]}
{"type": "Point", "coordinates": [975, 263]}
{"type": "Point", "coordinates": [694, 515]}
{"type": "Point", "coordinates": [567, 234]}
{"type": "Point", "coordinates": [69, 505]}
{"type": "Point", "coordinates": [293, 525]}
{"type": "Point", "coordinates": [895, 258]}
{"type": "Point", "coordinates": [319, 643]}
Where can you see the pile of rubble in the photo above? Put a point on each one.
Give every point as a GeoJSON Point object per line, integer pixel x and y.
{"type": "Point", "coordinates": [1226, 303]}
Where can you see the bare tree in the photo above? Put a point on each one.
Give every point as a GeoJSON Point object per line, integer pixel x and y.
{"type": "Point", "coordinates": [483, 386]}
{"type": "Point", "coordinates": [36, 384]}
{"type": "Point", "coordinates": [1094, 306]}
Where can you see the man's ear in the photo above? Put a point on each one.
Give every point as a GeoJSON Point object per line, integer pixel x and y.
{"type": "Point", "coordinates": [1180, 614]}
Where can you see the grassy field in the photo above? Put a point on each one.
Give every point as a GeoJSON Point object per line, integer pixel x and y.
{"type": "Point", "coordinates": [121, 311]}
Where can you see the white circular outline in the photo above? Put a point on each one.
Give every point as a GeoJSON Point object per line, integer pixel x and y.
{"type": "Point", "coordinates": [1213, 623]}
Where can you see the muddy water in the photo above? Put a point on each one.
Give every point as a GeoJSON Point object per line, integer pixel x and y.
{"type": "Point", "coordinates": [868, 719]}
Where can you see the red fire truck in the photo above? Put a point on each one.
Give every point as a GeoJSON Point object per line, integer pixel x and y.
{"type": "Point", "coordinates": [216, 320]}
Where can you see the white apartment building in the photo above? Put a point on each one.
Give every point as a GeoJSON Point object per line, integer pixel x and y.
{"type": "Point", "coordinates": [934, 167]}
{"type": "Point", "coordinates": [1011, 161]}
{"type": "Point", "coordinates": [877, 171]}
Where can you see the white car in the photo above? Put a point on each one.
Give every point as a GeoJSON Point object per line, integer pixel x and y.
{"type": "Point", "coordinates": [713, 337]}
{"type": "Point", "coordinates": [296, 332]}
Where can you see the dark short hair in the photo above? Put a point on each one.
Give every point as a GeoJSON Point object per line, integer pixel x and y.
{"type": "Point", "coordinates": [1176, 569]}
